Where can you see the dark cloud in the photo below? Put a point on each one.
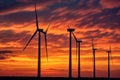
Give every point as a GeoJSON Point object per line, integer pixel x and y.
{"type": "Point", "coordinates": [57, 42]}
{"type": "Point", "coordinates": [5, 51]}
{"type": "Point", "coordinates": [67, 10]}
{"type": "Point", "coordinates": [4, 54]}
{"type": "Point", "coordinates": [7, 36]}
{"type": "Point", "coordinates": [11, 6]}
{"type": "Point", "coordinates": [112, 36]}
{"type": "Point", "coordinates": [60, 40]}
{"type": "Point", "coordinates": [26, 1]}
{"type": "Point", "coordinates": [57, 38]}
{"type": "Point", "coordinates": [93, 14]}
{"type": "Point", "coordinates": [17, 18]}
{"type": "Point", "coordinates": [107, 18]}
{"type": "Point", "coordinates": [84, 13]}
{"type": "Point", "coordinates": [92, 33]}
{"type": "Point", "coordinates": [22, 11]}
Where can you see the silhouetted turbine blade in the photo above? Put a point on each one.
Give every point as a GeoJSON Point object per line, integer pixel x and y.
{"type": "Point", "coordinates": [76, 43]}
{"type": "Point", "coordinates": [45, 37]}
{"type": "Point", "coordinates": [30, 40]}
{"type": "Point", "coordinates": [93, 48]}
{"type": "Point", "coordinates": [36, 16]}
{"type": "Point", "coordinates": [92, 44]}
{"type": "Point", "coordinates": [47, 28]}
{"type": "Point", "coordinates": [74, 36]}
{"type": "Point", "coordinates": [76, 50]}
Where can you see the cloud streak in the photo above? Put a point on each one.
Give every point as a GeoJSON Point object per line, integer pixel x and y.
{"type": "Point", "coordinates": [4, 54]}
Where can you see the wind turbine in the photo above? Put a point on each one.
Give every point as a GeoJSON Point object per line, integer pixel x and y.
{"type": "Point", "coordinates": [94, 65]}
{"type": "Point", "coordinates": [39, 30]}
{"type": "Point", "coordinates": [70, 30]}
{"type": "Point", "coordinates": [109, 53]}
{"type": "Point", "coordinates": [78, 42]}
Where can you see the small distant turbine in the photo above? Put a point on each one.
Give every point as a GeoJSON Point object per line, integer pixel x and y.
{"type": "Point", "coordinates": [78, 42]}
{"type": "Point", "coordinates": [94, 65]}
{"type": "Point", "coordinates": [70, 30]}
{"type": "Point", "coordinates": [109, 53]}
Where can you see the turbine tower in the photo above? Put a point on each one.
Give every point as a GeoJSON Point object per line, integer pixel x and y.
{"type": "Point", "coordinates": [39, 30]}
{"type": "Point", "coordinates": [109, 53]}
{"type": "Point", "coordinates": [70, 30]}
{"type": "Point", "coordinates": [78, 42]}
{"type": "Point", "coordinates": [94, 65]}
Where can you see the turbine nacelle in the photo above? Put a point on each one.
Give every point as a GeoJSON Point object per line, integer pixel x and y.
{"type": "Point", "coordinates": [94, 49]}
{"type": "Point", "coordinates": [108, 51]}
{"type": "Point", "coordinates": [41, 30]}
{"type": "Point", "coordinates": [79, 41]}
{"type": "Point", "coordinates": [70, 30]}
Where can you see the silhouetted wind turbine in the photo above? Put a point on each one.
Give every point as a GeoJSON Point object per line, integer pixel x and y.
{"type": "Point", "coordinates": [94, 65]}
{"type": "Point", "coordinates": [78, 42]}
{"type": "Point", "coordinates": [39, 30]}
{"type": "Point", "coordinates": [109, 53]}
{"type": "Point", "coordinates": [70, 30]}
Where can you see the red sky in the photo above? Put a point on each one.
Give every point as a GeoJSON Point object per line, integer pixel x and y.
{"type": "Point", "coordinates": [97, 18]}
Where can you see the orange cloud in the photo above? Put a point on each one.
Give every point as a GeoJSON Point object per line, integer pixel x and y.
{"type": "Point", "coordinates": [110, 3]}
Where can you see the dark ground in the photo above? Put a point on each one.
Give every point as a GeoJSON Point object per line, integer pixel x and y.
{"type": "Point", "coordinates": [51, 78]}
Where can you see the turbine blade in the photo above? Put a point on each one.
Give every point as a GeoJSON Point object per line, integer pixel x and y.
{"type": "Point", "coordinates": [76, 43]}
{"type": "Point", "coordinates": [76, 50]}
{"type": "Point", "coordinates": [30, 40]}
{"type": "Point", "coordinates": [74, 36]}
{"type": "Point", "coordinates": [45, 37]}
{"type": "Point", "coordinates": [36, 16]}
{"type": "Point", "coordinates": [47, 28]}
{"type": "Point", "coordinates": [92, 43]}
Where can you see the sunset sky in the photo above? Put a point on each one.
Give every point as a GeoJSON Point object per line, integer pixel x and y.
{"type": "Point", "coordinates": [99, 19]}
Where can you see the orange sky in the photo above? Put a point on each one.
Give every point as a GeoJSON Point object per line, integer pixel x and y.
{"type": "Point", "coordinates": [94, 18]}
